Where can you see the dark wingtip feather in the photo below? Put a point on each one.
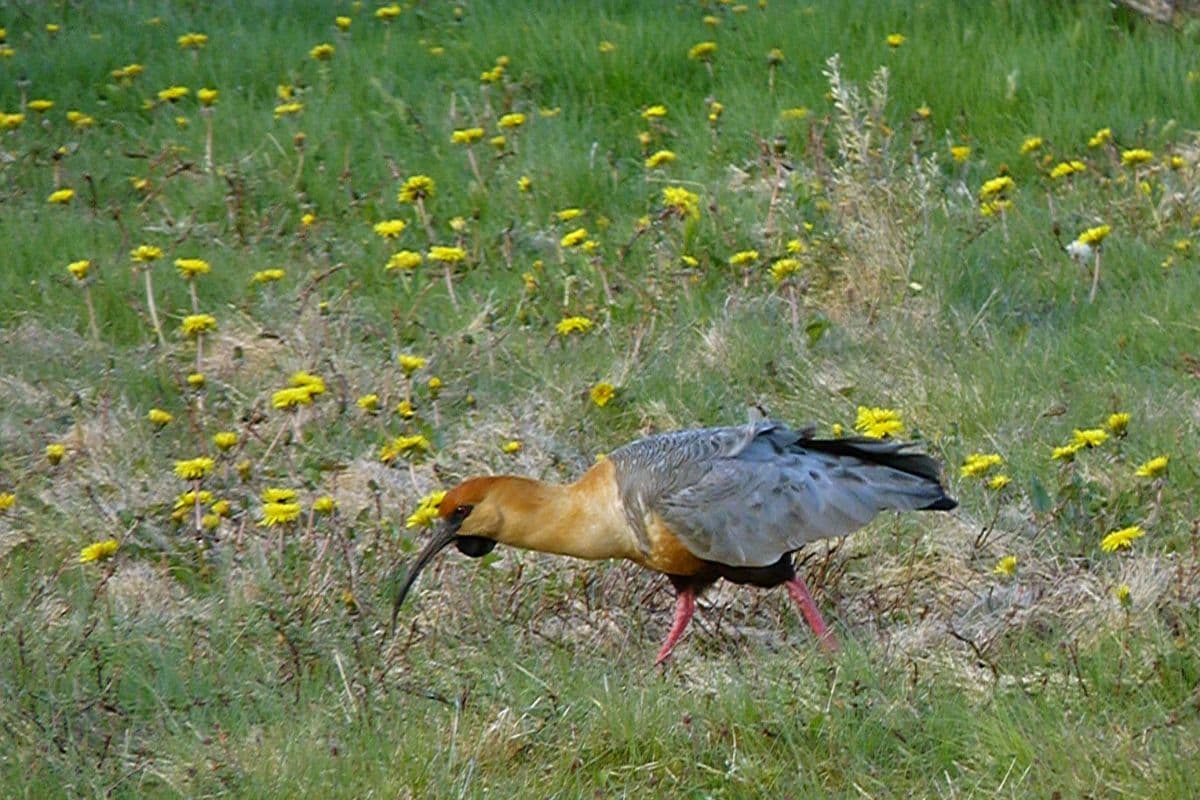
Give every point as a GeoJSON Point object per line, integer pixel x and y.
{"type": "Point", "coordinates": [943, 503]}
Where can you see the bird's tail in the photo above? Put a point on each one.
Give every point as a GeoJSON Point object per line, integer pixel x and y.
{"type": "Point", "coordinates": [926, 494]}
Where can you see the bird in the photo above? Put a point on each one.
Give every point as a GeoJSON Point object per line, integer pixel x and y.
{"type": "Point", "coordinates": [699, 505]}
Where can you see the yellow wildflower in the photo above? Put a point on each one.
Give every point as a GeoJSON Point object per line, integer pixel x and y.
{"type": "Point", "coordinates": [387, 13]}
{"type": "Point", "coordinates": [267, 275]}
{"type": "Point", "coordinates": [322, 52]}
{"type": "Point", "coordinates": [405, 409]}
{"type": "Point", "coordinates": [426, 512]}
{"type": "Point", "coordinates": [979, 464]}
{"type": "Point", "coordinates": [743, 257]}
{"type": "Point", "coordinates": [996, 187]}
{"type": "Point", "coordinates": [524, 184]}
{"type": "Point", "coordinates": [390, 228]}
{"type": "Point", "coordinates": [606, 46]}
{"type": "Point", "coordinates": [794, 114]}
{"type": "Point", "coordinates": [568, 214]}
{"type": "Point", "coordinates": [569, 325]}
{"type": "Point", "coordinates": [55, 453]}
{"type": "Point", "coordinates": [1121, 593]}
{"type": "Point", "coordinates": [404, 260]}
{"type": "Point", "coordinates": [1118, 423]}
{"type": "Point", "coordinates": [511, 447]}
{"type": "Point", "coordinates": [404, 445]}
{"type": "Point", "coordinates": [80, 120]}
{"type": "Point", "coordinates": [324, 505]}
{"type": "Point", "coordinates": [7, 500]}
{"type": "Point", "coordinates": [447, 255]}
{"type": "Point", "coordinates": [574, 237]}
{"type": "Point", "coordinates": [411, 363]}
{"type": "Point", "coordinates": [291, 397]}
{"type": "Point", "coordinates": [602, 393]}
{"type": "Point", "coordinates": [79, 269]}
{"type": "Point", "coordinates": [998, 482]}
{"type": "Point", "coordinates": [1153, 468]}
{"type": "Point", "coordinates": [1136, 156]}
{"type": "Point", "coordinates": [279, 495]}
{"type": "Point", "coordinates": [192, 41]}
{"type": "Point", "coordinates": [435, 385]}
{"type": "Point", "coordinates": [146, 253]}
{"type": "Point", "coordinates": [159, 417]}
{"type": "Point", "coordinates": [702, 51]}
{"type": "Point", "coordinates": [1121, 539]}
{"type": "Point", "coordinates": [1091, 437]}
{"type": "Point", "coordinates": [196, 380]}
{"type": "Point", "coordinates": [895, 39]}
{"type": "Point", "coordinates": [466, 135]}
{"type": "Point", "coordinates": [1066, 452]}
{"type": "Point", "coordinates": [342, 22]}
{"type": "Point", "coordinates": [314, 383]}
{"type": "Point", "coordinates": [193, 469]}
{"type": "Point", "coordinates": [784, 268]}
{"type": "Point", "coordinates": [288, 109]}
{"type": "Point", "coordinates": [1006, 566]}
{"type": "Point", "coordinates": [191, 267]}
{"type": "Point", "coordinates": [1066, 168]}
{"type": "Point", "coordinates": [207, 96]}
{"type": "Point", "coordinates": [9, 122]}
{"type": "Point", "coordinates": [1094, 236]}
{"type": "Point", "coordinates": [368, 403]}
{"type": "Point", "coordinates": [40, 106]}
{"type": "Point", "coordinates": [196, 324]}
{"type": "Point", "coordinates": [681, 201]}
{"type": "Point", "coordinates": [510, 121]}
{"type": "Point", "coordinates": [659, 158]}
{"type": "Point", "coordinates": [224, 440]}
{"type": "Point", "coordinates": [960, 153]}
{"type": "Point", "coordinates": [1031, 144]}
{"type": "Point", "coordinates": [99, 551]}
{"type": "Point", "coordinates": [1100, 137]}
{"type": "Point", "coordinates": [878, 423]}
{"type": "Point", "coordinates": [61, 196]}
{"type": "Point", "coordinates": [173, 93]}
{"type": "Point", "coordinates": [654, 112]}
{"type": "Point", "coordinates": [279, 513]}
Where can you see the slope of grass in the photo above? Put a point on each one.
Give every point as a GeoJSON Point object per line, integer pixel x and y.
{"type": "Point", "coordinates": [215, 655]}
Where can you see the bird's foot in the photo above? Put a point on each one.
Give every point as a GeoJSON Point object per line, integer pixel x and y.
{"type": "Point", "coordinates": [685, 606]}
{"type": "Point", "coordinates": [812, 615]}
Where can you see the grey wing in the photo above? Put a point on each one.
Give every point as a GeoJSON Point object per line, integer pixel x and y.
{"type": "Point", "coordinates": [768, 499]}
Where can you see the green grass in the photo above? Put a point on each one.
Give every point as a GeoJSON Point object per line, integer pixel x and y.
{"type": "Point", "coordinates": [242, 661]}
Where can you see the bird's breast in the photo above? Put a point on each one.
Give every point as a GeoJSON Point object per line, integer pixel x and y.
{"type": "Point", "coordinates": [666, 552]}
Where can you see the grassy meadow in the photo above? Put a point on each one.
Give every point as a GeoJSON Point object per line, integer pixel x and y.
{"type": "Point", "coordinates": [274, 274]}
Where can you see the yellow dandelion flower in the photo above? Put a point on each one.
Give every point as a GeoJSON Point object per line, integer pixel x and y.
{"type": "Point", "coordinates": [447, 255]}
{"type": "Point", "coordinates": [1066, 452]}
{"type": "Point", "coordinates": [387, 13]}
{"type": "Point", "coordinates": [279, 495]}
{"type": "Point", "coordinates": [466, 135]}
{"type": "Point", "coordinates": [40, 106]}
{"type": "Point", "coordinates": [524, 184]}
{"type": "Point", "coordinates": [681, 201]}
{"type": "Point", "coordinates": [196, 324]}
{"type": "Point", "coordinates": [1094, 236]}
{"type": "Point", "coordinates": [1118, 423]}
{"type": "Point", "coordinates": [878, 423]}
{"type": "Point", "coordinates": [322, 52]}
{"type": "Point", "coordinates": [569, 325]}
{"type": "Point", "coordinates": [654, 112]}
{"type": "Point", "coordinates": [173, 93]}
{"type": "Point", "coordinates": [342, 23]}
{"type": "Point", "coordinates": [574, 238]}
{"type": "Point", "coordinates": [191, 267]}
{"type": "Point", "coordinates": [998, 482]}
{"type": "Point", "coordinates": [79, 269]}
{"type": "Point", "coordinates": [743, 257]}
{"type": "Point", "coordinates": [606, 46]}
{"type": "Point", "coordinates": [279, 513]}
{"type": "Point", "coordinates": [434, 385]}
{"type": "Point", "coordinates": [225, 440]}
{"type": "Point", "coordinates": [292, 397]}
{"type": "Point", "coordinates": [1090, 437]}
{"type": "Point", "coordinates": [979, 464]}
{"type": "Point", "coordinates": [996, 187]}
{"type": "Point", "coordinates": [368, 403]}
{"type": "Point", "coordinates": [99, 551]}
{"type": "Point", "coordinates": [193, 469]}
{"type": "Point", "coordinates": [794, 114]}
{"type": "Point", "coordinates": [512, 446]}
{"type": "Point", "coordinates": [191, 497]}
{"type": "Point", "coordinates": [196, 380]}
{"type": "Point", "coordinates": [1006, 566]}
{"type": "Point", "coordinates": [390, 228]}
{"type": "Point", "coordinates": [960, 153]}
{"type": "Point", "coordinates": [1121, 593]}
{"type": "Point", "coordinates": [288, 109]}
{"type": "Point", "coordinates": [511, 121]}
{"type": "Point", "coordinates": [55, 453]}
{"type": "Point", "coordinates": [1066, 168]}
{"type": "Point", "coordinates": [894, 40]}
{"type": "Point", "coordinates": [1100, 137]}
{"type": "Point", "coordinates": [404, 261]}
{"type": "Point", "coordinates": [784, 268]}
{"type": "Point", "coordinates": [702, 51]}
{"type": "Point", "coordinates": [1121, 539]}
{"type": "Point", "coordinates": [79, 120]}
{"type": "Point", "coordinates": [7, 500]}
{"type": "Point", "coordinates": [9, 122]}
{"type": "Point", "coordinates": [1031, 144]}
{"type": "Point", "coordinates": [159, 417]}
{"type": "Point", "coordinates": [267, 276]}
{"type": "Point", "coordinates": [1153, 468]}
{"type": "Point", "coordinates": [207, 97]}
{"type": "Point", "coordinates": [61, 197]}
{"type": "Point", "coordinates": [314, 383]}
{"type": "Point", "coordinates": [659, 158]}
{"type": "Point", "coordinates": [1136, 156]}
{"type": "Point", "coordinates": [324, 505]}
{"type": "Point", "coordinates": [602, 393]}
{"type": "Point", "coordinates": [192, 41]}
{"type": "Point", "coordinates": [404, 445]}
{"type": "Point", "coordinates": [426, 512]}
{"type": "Point", "coordinates": [146, 253]}
{"type": "Point", "coordinates": [411, 363]}
{"type": "Point", "coordinates": [405, 409]}
{"type": "Point", "coordinates": [568, 214]}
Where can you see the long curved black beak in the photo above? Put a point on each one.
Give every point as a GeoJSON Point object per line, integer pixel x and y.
{"type": "Point", "coordinates": [443, 537]}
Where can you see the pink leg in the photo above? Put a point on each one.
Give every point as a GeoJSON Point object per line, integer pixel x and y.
{"type": "Point", "coordinates": [808, 609]}
{"type": "Point", "coordinates": [685, 606]}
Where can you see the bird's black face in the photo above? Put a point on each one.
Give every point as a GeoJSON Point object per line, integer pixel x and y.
{"type": "Point", "coordinates": [445, 535]}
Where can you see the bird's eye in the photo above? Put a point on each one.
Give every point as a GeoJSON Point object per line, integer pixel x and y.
{"type": "Point", "coordinates": [461, 513]}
